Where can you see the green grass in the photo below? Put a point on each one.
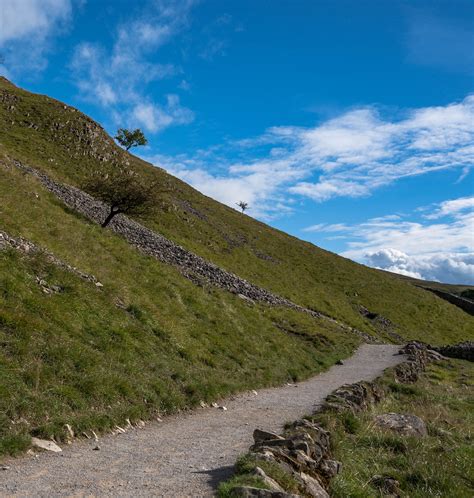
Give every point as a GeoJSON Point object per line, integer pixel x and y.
{"type": "Point", "coordinates": [437, 465]}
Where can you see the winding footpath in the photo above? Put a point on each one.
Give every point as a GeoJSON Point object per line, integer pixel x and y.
{"type": "Point", "coordinates": [185, 455]}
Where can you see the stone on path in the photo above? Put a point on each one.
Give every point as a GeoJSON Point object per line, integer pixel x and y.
{"type": "Point", "coordinates": [45, 445]}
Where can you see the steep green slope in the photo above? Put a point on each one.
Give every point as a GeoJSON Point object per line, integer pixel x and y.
{"type": "Point", "coordinates": [66, 144]}
{"type": "Point", "coordinates": [148, 342]}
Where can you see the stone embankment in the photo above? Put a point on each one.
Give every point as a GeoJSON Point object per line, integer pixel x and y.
{"type": "Point", "coordinates": [153, 244]}
{"type": "Point", "coordinates": [461, 351]}
{"type": "Point", "coordinates": [303, 451]}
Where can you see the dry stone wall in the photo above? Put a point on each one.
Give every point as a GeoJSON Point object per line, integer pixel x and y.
{"type": "Point", "coordinates": [153, 244]}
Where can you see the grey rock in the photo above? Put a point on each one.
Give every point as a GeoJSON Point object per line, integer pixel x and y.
{"type": "Point", "coordinates": [313, 486]}
{"type": "Point", "coordinates": [405, 424]}
{"type": "Point", "coordinates": [45, 445]}
{"type": "Point", "coordinates": [330, 468]}
{"type": "Point", "coordinates": [269, 482]}
{"type": "Point", "coordinates": [260, 435]}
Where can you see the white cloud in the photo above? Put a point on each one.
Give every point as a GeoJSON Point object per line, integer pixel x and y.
{"type": "Point", "coordinates": [431, 250]}
{"type": "Point", "coordinates": [453, 207]}
{"type": "Point", "coordinates": [26, 30]}
{"type": "Point", "coordinates": [31, 18]}
{"type": "Point", "coordinates": [447, 267]}
{"type": "Point", "coordinates": [155, 117]}
{"type": "Point", "coordinates": [116, 77]}
{"type": "Point", "coordinates": [348, 156]}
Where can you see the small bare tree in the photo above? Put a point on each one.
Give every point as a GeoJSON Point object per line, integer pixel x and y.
{"type": "Point", "coordinates": [123, 191]}
{"type": "Point", "coordinates": [129, 139]}
{"type": "Point", "coordinates": [243, 206]}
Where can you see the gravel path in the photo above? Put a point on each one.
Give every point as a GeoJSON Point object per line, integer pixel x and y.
{"type": "Point", "coordinates": [185, 455]}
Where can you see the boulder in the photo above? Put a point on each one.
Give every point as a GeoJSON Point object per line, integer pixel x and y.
{"type": "Point", "coordinates": [407, 425]}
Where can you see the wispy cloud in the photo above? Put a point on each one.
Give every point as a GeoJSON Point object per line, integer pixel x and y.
{"type": "Point", "coordinates": [433, 250]}
{"type": "Point", "coordinates": [26, 30]}
{"type": "Point", "coordinates": [116, 77]}
{"type": "Point", "coordinates": [348, 156]}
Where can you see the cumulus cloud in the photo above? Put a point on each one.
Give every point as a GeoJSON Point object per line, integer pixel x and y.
{"type": "Point", "coordinates": [116, 77]}
{"type": "Point", "coordinates": [26, 29]}
{"type": "Point", "coordinates": [448, 267]}
{"type": "Point", "coordinates": [439, 246]}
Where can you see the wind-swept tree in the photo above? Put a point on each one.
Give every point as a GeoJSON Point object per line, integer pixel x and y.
{"type": "Point", "coordinates": [129, 139]}
{"type": "Point", "coordinates": [243, 206]}
{"type": "Point", "coordinates": [123, 191]}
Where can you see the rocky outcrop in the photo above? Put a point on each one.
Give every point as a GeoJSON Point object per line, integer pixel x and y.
{"type": "Point", "coordinates": [153, 244]}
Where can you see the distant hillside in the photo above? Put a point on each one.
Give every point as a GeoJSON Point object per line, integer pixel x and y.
{"type": "Point", "coordinates": [140, 339]}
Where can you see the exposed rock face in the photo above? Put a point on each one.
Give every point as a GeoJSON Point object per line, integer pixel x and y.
{"type": "Point", "coordinates": [153, 244]}
{"type": "Point", "coordinates": [405, 424]}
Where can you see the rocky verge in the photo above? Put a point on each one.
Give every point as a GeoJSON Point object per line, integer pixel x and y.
{"type": "Point", "coordinates": [302, 453]}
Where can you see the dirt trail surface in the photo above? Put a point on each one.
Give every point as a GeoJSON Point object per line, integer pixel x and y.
{"type": "Point", "coordinates": [185, 455]}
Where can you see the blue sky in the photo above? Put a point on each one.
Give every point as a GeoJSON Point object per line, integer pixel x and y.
{"type": "Point", "coordinates": [346, 123]}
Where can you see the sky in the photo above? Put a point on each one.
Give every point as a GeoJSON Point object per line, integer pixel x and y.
{"type": "Point", "coordinates": [346, 123]}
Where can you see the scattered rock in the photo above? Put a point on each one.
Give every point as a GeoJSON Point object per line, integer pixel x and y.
{"type": "Point", "coordinates": [4, 467]}
{"type": "Point", "coordinates": [223, 408]}
{"type": "Point", "coordinates": [202, 404]}
{"type": "Point", "coordinates": [98, 284]}
{"type": "Point", "coordinates": [339, 362]}
{"type": "Point", "coordinates": [45, 445]}
{"type": "Point", "coordinates": [387, 485]}
{"type": "Point", "coordinates": [96, 447]}
{"type": "Point", "coordinates": [407, 425]}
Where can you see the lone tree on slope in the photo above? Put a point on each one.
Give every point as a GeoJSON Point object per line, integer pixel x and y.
{"type": "Point", "coordinates": [123, 191]}
{"type": "Point", "coordinates": [243, 206]}
{"type": "Point", "coordinates": [129, 139]}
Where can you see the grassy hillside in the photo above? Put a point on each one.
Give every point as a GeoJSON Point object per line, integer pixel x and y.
{"type": "Point", "coordinates": [149, 341]}
{"type": "Point", "coordinates": [65, 144]}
